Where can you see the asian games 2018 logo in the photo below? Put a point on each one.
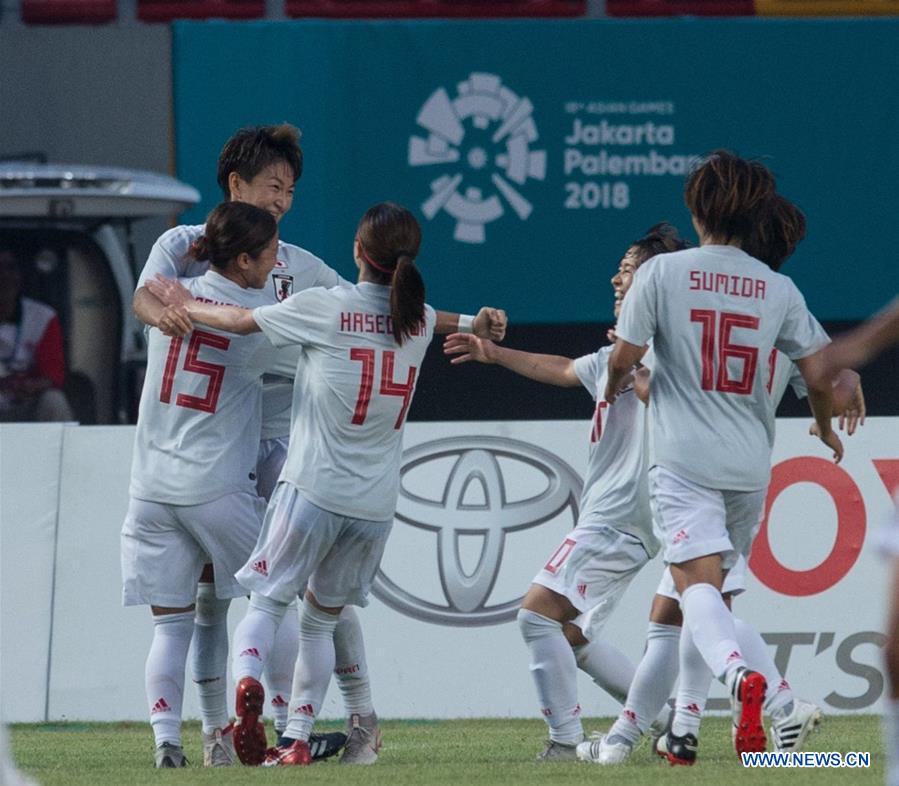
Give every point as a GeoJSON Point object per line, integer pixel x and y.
{"type": "Point", "coordinates": [483, 138]}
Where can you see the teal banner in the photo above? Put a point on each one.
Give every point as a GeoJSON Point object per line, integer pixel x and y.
{"type": "Point", "coordinates": [534, 151]}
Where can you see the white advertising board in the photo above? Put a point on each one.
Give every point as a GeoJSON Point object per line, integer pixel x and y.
{"type": "Point", "coordinates": [483, 507]}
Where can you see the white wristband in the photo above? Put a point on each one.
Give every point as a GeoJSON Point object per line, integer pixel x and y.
{"type": "Point", "coordinates": [466, 323]}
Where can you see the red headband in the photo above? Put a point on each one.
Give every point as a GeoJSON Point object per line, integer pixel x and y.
{"type": "Point", "coordinates": [375, 265]}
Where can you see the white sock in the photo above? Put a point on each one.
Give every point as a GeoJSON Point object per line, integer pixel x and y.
{"type": "Point", "coordinates": [652, 684]}
{"type": "Point", "coordinates": [891, 739]}
{"type": "Point", "coordinates": [255, 636]}
{"type": "Point", "coordinates": [280, 664]}
{"type": "Point", "coordinates": [554, 670]}
{"type": "Point", "coordinates": [609, 667]}
{"type": "Point", "coordinates": [209, 661]}
{"type": "Point", "coordinates": [712, 627]}
{"type": "Point", "coordinates": [313, 670]}
{"type": "Point", "coordinates": [779, 697]}
{"type": "Point", "coordinates": [350, 665]}
{"type": "Point", "coordinates": [693, 688]}
{"type": "Point", "coordinates": [164, 674]}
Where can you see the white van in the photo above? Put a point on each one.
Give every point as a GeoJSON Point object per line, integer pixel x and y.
{"type": "Point", "coordinates": [72, 226]}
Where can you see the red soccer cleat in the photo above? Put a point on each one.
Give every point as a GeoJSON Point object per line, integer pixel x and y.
{"type": "Point", "coordinates": [249, 733]}
{"type": "Point", "coordinates": [749, 696]}
{"type": "Point", "coordinates": [297, 754]}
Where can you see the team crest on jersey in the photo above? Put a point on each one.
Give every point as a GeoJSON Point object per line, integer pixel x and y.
{"type": "Point", "coordinates": [283, 286]}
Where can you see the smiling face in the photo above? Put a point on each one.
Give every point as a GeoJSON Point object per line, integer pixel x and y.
{"type": "Point", "coordinates": [254, 272]}
{"type": "Point", "coordinates": [622, 280]}
{"type": "Point", "coordinates": [272, 189]}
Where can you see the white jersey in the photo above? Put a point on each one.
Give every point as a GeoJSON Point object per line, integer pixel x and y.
{"type": "Point", "coordinates": [714, 314]}
{"type": "Point", "coordinates": [295, 270]}
{"type": "Point", "coordinates": [782, 372]}
{"type": "Point", "coordinates": [201, 407]}
{"type": "Point", "coordinates": [352, 391]}
{"type": "Point", "coordinates": [615, 488]}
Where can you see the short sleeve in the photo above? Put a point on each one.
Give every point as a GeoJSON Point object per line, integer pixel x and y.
{"type": "Point", "coordinates": [168, 257]}
{"type": "Point", "coordinates": [586, 368]}
{"type": "Point", "coordinates": [638, 319]}
{"type": "Point", "coordinates": [800, 334]}
{"type": "Point", "coordinates": [301, 319]}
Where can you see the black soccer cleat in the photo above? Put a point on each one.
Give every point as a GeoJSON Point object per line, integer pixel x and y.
{"type": "Point", "coordinates": [679, 750]}
{"type": "Point", "coordinates": [321, 746]}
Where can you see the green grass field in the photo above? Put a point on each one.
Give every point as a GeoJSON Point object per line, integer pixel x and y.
{"type": "Point", "coordinates": [428, 752]}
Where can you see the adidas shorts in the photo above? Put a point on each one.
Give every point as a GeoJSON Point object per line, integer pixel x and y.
{"type": "Point", "coordinates": [593, 567]}
{"type": "Point", "coordinates": [269, 461]}
{"type": "Point", "coordinates": [164, 548]}
{"type": "Point", "coordinates": [694, 521]}
{"type": "Point", "coordinates": [301, 543]}
{"type": "Point", "coordinates": [734, 581]}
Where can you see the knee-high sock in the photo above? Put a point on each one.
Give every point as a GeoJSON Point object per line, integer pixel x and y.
{"type": "Point", "coordinates": [164, 674]}
{"type": "Point", "coordinates": [554, 669]}
{"type": "Point", "coordinates": [350, 665]}
{"type": "Point", "coordinates": [779, 697]}
{"type": "Point", "coordinates": [652, 684]}
{"type": "Point", "coordinates": [712, 627]}
{"type": "Point", "coordinates": [693, 688]}
{"type": "Point", "coordinates": [313, 670]}
{"type": "Point", "coordinates": [209, 661]}
{"type": "Point", "coordinates": [255, 636]}
{"type": "Point", "coordinates": [280, 664]}
{"type": "Point", "coordinates": [607, 665]}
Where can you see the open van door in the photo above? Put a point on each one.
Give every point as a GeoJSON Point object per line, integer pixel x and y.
{"type": "Point", "coordinates": [72, 225]}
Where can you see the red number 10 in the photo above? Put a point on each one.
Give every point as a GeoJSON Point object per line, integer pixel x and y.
{"type": "Point", "coordinates": [709, 320]}
{"type": "Point", "coordinates": [389, 387]}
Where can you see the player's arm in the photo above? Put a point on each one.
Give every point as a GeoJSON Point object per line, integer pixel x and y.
{"type": "Point", "coordinates": [551, 369]}
{"type": "Point", "coordinates": [148, 308]}
{"type": "Point", "coordinates": [489, 323]}
{"type": "Point", "coordinates": [820, 398]}
{"type": "Point", "coordinates": [621, 362]}
{"type": "Point", "coordinates": [860, 345]}
{"type": "Point", "coordinates": [231, 319]}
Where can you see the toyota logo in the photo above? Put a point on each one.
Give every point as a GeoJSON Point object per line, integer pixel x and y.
{"type": "Point", "coordinates": [456, 492]}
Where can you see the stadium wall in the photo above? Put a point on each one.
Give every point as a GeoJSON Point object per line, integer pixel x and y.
{"type": "Point", "coordinates": [459, 558]}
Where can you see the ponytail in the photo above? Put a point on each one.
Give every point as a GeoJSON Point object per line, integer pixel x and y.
{"type": "Point", "coordinates": [407, 299]}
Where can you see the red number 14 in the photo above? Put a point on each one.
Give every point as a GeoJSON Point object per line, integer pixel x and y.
{"type": "Point", "coordinates": [388, 387]}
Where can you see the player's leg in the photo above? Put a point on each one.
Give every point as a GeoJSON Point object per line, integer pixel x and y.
{"type": "Point", "coordinates": [606, 665]}
{"type": "Point", "coordinates": [160, 566]}
{"type": "Point", "coordinates": [343, 576]}
{"type": "Point", "coordinates": [891, 661]}
{"type": "Point", "coordinates": [279, 664]}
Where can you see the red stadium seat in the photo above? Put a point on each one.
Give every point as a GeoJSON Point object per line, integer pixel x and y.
{"type": "Point", "coordinates": [68, 12]}
{"type": "Point", "coordinates": [361, 9]}
{"type": "Point", "coordinates": [680, 7]}
{"type": "Point", "coordinates": [167, 10]}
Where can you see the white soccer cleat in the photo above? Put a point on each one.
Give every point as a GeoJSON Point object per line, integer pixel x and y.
{"type": "Point", "coordinates": [363, 740]}
{"type": "Point", "coordinates": [218, 747]}
{"type": "Point", "coordinates": [599, 750]}
{"type": "Point", "coordinates": [790, 733]}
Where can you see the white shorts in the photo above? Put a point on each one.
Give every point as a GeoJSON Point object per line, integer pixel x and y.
{"type": "Point", "coordinates": [592, 568]}
{"type": "Point", "coordinates": [734, 581]}
{"type": "Point", "coordinates": [694, 521]}
{"type": "Point", "coordinates": [269, 461]}
{"type": "Point", "coordinates": [164, 548]}
{"type": "Point", "coordinates": [302, 544]}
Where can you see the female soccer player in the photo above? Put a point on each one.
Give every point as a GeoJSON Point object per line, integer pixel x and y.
{"type": "Point", "coordinates": [580, 585]}
{"type": "Point", "coordinates": [714, 315]}
{"type": "Point", "coordinates": [333, 508]}
{"type": "Point", "coordinates": [193, 492]}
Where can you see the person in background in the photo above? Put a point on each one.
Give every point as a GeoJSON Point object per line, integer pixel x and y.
{"type": "Point", "coordinates": [32, 362]}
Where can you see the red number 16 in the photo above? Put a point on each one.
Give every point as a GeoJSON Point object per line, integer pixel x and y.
{"type": "Point", "coordinates": [726, 350]}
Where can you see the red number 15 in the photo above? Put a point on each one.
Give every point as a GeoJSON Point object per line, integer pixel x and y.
{"type": "Point", "coordinates": [715, 330]}
{"type": "Point", "coordinates": [389, 387]}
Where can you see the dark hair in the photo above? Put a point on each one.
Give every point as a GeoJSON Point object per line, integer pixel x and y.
{"type": "Point", "coordinates": [781, 227]}
{"type": "Point", "coordinates": [663, 238]}
{"type": "Point", "coordinates": [726, 194]}
{"type": "Point", "coordinates": [389, 238]}
{"type": "Point", "coordinates": [232, 229]}
{"type": "Point", "coordinates": [252, 149]}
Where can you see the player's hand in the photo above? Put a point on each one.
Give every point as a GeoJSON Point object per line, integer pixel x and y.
{"type": "Point", "coordinates": [175, 322]}
{"type": "Point", "coordinates": [641, 384]}
{"type": "Point", "coordinates": [169, 291]}
{"type": "Point", "coordinates": [490, 323]}
{"type": "Point", "coordinates": [611, 335]}
{"type": "Point", "coordinates": [854, 414]}
{"type": "Point", "coordinates": [467, 346]}
{"type": "Point", "coordinates": [831, 440]}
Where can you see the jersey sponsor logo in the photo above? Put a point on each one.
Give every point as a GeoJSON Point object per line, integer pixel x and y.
{"type": "Point", "coordinates": [469, 499]}
{"type": "Point", "coordinates": [478, 144]}
{"type": "Point", "coordinates": [283, 286]}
